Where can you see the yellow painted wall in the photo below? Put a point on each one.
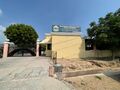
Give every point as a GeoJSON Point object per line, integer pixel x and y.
{"type": "Point", "coordinates": [93, 53]}
{"type": "Point", "coordinates": [73, 46]}
{"type": "Point", "coordinates": [48, 52]}
{"type": "Point", "coordinates": [67, 46]}
{"type": "Point", "coordinates": [97, 53]}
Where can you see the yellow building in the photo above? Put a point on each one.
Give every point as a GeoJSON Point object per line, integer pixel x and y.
{"type": "Point", "coordinates": [70, 45]}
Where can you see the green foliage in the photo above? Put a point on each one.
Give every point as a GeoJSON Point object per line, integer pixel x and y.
{"type": "Point", "coordinates": [22, 35]}
{"type": "Point", "coordinates": [106, 32]}
{"type": "Point", "coordinates": [98, 77]}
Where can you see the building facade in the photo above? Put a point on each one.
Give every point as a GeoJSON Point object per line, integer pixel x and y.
{"type": "Point", "coordinates": [67, 44]}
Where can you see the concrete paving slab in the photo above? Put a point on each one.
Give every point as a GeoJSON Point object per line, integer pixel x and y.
{"type": "Point", "coordinates": [28, 73]}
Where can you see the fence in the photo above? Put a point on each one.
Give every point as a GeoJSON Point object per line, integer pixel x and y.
{"type": "Point", "coordinates": [17, 51]}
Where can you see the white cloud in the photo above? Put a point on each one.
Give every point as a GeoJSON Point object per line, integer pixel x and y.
{"type": "Point", "coordinates": [1, 12]}
{"type": "Point", "coordinates": [2, 36]}
{"type": "Point", "coordinates": [2, 28]}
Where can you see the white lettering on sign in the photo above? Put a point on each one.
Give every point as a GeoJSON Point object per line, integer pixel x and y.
{"type": "Point", "coordinates": [60, 28]}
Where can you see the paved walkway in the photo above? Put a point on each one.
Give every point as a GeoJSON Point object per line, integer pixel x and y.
{"type": "Point", "coordinates": [28, 73]}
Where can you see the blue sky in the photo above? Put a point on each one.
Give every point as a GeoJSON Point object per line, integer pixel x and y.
{"type": "Point", "coordinates": [42, 14]}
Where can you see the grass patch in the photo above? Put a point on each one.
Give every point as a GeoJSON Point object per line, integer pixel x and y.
{"type": "Point", "coordinates": [98, 77]}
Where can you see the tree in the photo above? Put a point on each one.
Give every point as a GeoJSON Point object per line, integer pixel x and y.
{"type": "Point", "coordinates": [106, 32]}
{"type": "Point", "coordinates": [22, 35]}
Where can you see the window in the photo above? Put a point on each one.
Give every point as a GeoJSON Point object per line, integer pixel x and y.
{"type": "Point", "coordinates": [88, 44]}
{"type": "Point", "coordinates": [48, 46]}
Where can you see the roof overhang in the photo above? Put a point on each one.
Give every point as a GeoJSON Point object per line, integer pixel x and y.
{"type": "Point", "coordinates": [46, 41]}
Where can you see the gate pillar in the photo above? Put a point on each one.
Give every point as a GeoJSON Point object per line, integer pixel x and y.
{"type": "Point", "coordinates": [5, 48]}
{"type": "Point", "coordinates": [37, 47]}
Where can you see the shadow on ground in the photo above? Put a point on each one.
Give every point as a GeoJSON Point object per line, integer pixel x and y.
{"type": "Point", "coordinates": [113, 75]}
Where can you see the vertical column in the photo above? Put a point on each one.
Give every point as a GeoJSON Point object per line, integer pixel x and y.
{"type": "Point", "coordinates": [46, 51]}
{"type": "Point", "coordinates": [51, 71]}
{"type": "Point", "coordinates": [37, 48]}
{"type": "Point", "coordinates": [5, 49]}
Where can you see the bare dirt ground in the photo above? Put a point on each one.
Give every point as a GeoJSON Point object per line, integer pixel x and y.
{"type": "Point", "coordinates": [75, 65]}
{"type": "Point", "coordinates": [95, 82]}
{"type": "Point", "coordinates": [104, 81]}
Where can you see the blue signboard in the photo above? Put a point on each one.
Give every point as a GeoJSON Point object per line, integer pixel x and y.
{"type": "Point", "coordinates": [60, 28]}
